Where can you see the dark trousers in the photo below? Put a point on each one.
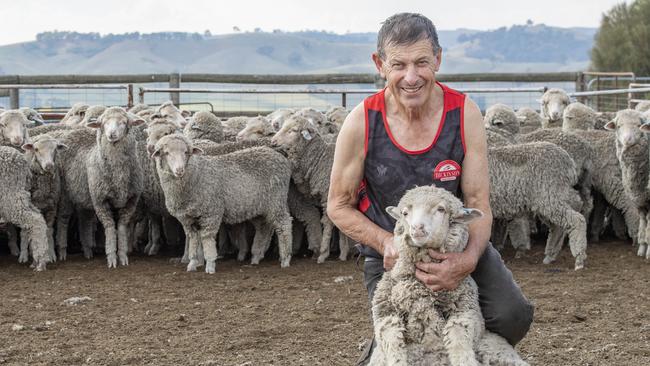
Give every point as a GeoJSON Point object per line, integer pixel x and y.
{"type": "Point", "coordinates": [506, 310]}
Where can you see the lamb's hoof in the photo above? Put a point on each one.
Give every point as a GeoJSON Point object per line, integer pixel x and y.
{"type": "Point", "coordinates": [111, 258]}
{"type": "Point", "coordinates": [151, 249]}
{"type": "Point", "coordinates": [88, 253]}
{"type": "Point", "coordinates": [40, 266]}
{"type": "Point", "coordinates": [321, 258]}
{"type": "Point", "coordinates": [343, 257]}
{"type": "Point", "coordinates": [23, 258]}
{"type": "Point", "coordinates": [185, 260]}
{"type": "Point", "coordinates": [520, 254]}
{"type": "Point", "coordinates": [241, 257]}
{"type": "Point", "coordinates": [210, 267]}
{"type": "Point", "coordinates": [255, 260]}
{"type": "Point", "coordinates": [580, 262]}
{"type": "Point", "coordinates": [285, 262]}
{"type": "Point", "coordinates": [191, 267]}
{"type": "Point", "coordinates": [63, 255]}
{"type": "Point", "coordinates": [124, 260]}
{"type": "Point", "coordinates": [548, 260]}
{"type": "Point", "coordinates": [642, 250]}
{"type": "Point", "coordinates": [14, 252]}
{"type": "Point", "coordinates": [52, 255]}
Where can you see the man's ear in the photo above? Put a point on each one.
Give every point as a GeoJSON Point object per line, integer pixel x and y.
{"type": "Point", "coordinates": [466, 215]}
{"type": "Point", "coordinates": [438, 61]}
{"type": "Point", "coordinates": [379, 64]}
{"type": "Point", "coordinates": [393, 212]}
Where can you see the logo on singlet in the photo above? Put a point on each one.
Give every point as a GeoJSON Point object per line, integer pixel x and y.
{"type": "Point", "coordinates": [446, 170]}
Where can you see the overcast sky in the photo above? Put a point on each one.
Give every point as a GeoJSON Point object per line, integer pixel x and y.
{"type": "Point", "coordinates": [23, 19]}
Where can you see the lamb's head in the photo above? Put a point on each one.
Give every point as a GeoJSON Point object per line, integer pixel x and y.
{"type": "Point", "coordinates": [75, 114]}
{"type": "Point", "coordinates": [33, 116]}
{"type": "Point", "coordinates": [577, 116]}
{"type": "Point", "coordinates": [553, 103]}
{"type": "Point", "coordinates": [256, 128]}
{"type": "Point", "coordinates": [42, 150]}
{"type": "Point", "coordinates": [529, 119]}
{"type": "Point", "coordinates": [425, 215]}
{"type": "Point", "coordinates": [296, 133]}
{"type": "Point", "coordinates": [278, 117]}
{"type": "Point", "coordinates": [157, 129]}
{"type": "Point", "coordinates": [643, 106]}
{"type": "Point", "coordinates": [502, 116]}
{"type": "Point", "coordinates": [13, 126]}
{"type": "Point", "coordinates": [315, 117]}
{"type": "Point", "coordinates": [337, 115]}
{"type": "Point", "coordinates": [92, 114]}
{"type": "Point", "coordinates": [114, 124]}
{"type": "Point", "coordinates": [172, 154]}
{"type": "Point", "coordinates": [169, 111]}
{"type": "Point", "coordinates": [204, 125]}
{"type": "Point", "coordinates": [629, 127]}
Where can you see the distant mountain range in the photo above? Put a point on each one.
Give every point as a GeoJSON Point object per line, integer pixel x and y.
{"type": "Point", "coordinates": [520, 48]}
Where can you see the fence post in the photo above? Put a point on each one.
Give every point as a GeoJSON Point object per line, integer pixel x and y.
{"type": "Point", "coordinates": [14, 98]}
{"type": "Point", "coordinates": [580, 85]}
{"type": "Point", "coordinates": [129, 96]}
{"type": "Point", "coordinates": [344, 101]}
{"type": "Point", "coordinates": [175, 82]}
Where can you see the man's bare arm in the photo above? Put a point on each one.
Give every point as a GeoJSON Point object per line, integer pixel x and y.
{"type": "Point", "coordinates": [475, 185]}
{"type": "Point", "coordinates": [347, 173]}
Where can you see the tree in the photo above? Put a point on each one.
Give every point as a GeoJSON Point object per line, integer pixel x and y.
{"type": "Point", "coordinates": [622, 42]}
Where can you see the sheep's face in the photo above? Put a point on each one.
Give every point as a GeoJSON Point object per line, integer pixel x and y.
{"type": "Point", "coordinates": [628, 125]}
{"type": "Point", "coordinates": [503, 117]}
{"type": "Point", "coordinates": [294, 135]}
{"type": "Point", "coordinates": [75, 115]}
{"type": "Point", "coordinates": [426, 214]}
{"type": "Point", "coordinates": [553, 103]}
{"type": "Point", "coordinates": [256, 128]}
{"type": "Point", "coordinates": [157, 130]}
{"type": "Point", "coordinates": [169, 111]}
{"type": "Point", "coordinates": [13, 125]}
{"type": "Point", "coordinates": [114, 123]}
{"type": "Point", "coordinates": [409, 70]}
{"type": "Point", "coordinates": [278, 117]}
{"type": "Point", "coordinates": [42, 150]}
{"type": "Point", "coordinates": [172, 154]}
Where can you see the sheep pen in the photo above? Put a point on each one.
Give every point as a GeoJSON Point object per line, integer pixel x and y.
{"type": "Point", "coordinates": [153, 312]}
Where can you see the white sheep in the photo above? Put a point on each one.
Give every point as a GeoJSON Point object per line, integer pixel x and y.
{"type": "Point", "coordinates": [74, 115]}
{"type": "Point", "coordinates": [414, 325]}
{"type": "Point", "coordinates": [577, 116]}
{"type": "Point", "coordinates": [553, 103]}
{"type": "Point", "coordinates": [529, 120]}
{"type": "Point", "coordinates": [643, 106]}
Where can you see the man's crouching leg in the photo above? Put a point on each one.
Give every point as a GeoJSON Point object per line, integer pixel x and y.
{"type": "Point", "coordinates": [373, 271]}
{"type": "Point", "coordinates": [506, 310]}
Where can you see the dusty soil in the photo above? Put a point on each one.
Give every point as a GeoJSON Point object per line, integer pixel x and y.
{"type": "Point", "coordinates": [154, 313]}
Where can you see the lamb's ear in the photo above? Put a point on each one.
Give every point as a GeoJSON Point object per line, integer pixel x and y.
{"type": "Point", "coordinates": [197, 151]}
{"type": "Point", "coordinates": [393, 212]}
{"type": "Point", "coordinates": [135, 120]}
{"type": "Point", "coordinates": [27, 146]}
{"type": "Point", "coordinates": [610, 126]}
{"type": "Point", "coordinates": [467, 215]}
{"type": "Point", "coordinates": [155, 153]}
{"type": "Point", "coordinates": [61, 146]}
{"type": "Point", "coordinates": [306, 134]}
{"type": "Point", "coordinates": [94, 122]}
{"type": "Point", "coordinates": [645, 127]}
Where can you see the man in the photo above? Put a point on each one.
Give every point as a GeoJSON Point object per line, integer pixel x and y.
{"type": "Point", "coordinates": [419, 132]}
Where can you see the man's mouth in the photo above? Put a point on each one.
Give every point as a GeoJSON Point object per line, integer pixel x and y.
{"type": "Point", "coordinates": [412, 90]}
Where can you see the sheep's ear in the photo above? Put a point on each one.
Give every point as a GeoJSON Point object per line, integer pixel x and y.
{"type": "Point", "coordinates": [393, 212]}
{"type": "Point", "coordinates": [155, 153]}
{"type": "Point", "coordinates": [27, 146]}
{"type": "Point", "coordinates": [467, 215]}
{"type": "Point", "coordinates": [306, 135]}
{"type": "Point", "coordinates": [185, 113]}
{"type": "Point", "coordinates": [645, 127]}
{"type": "Point", "coordinates": [94, 122]}
{"type": "Point", "coordinates": [610, 126]}
{"type": "Point", "coordinates": [497, 122]}
{"type": "Point", "coordinates": [135, 120]}
{"type": "Point", "coordinates": [197, 151]}
{"type": "Point", "coordinates": [60, 146]}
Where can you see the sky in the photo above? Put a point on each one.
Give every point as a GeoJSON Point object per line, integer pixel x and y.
{"type": "Point", "coordinates": [23, 19]}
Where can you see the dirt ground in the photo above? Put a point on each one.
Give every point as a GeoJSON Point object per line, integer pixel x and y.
{"type": "Point", "coordinates": [154, 313]}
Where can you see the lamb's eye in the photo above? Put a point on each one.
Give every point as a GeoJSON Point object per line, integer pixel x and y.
{"type": "Point", "coordinates": [441, 209]}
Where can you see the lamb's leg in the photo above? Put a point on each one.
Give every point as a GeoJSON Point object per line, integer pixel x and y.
{"type": "Point", "coordinates": [153, 246]}
{"type": "Point", "coordinates": [597, 217]}
{"type": "Point", "coordinates": [554, 243]}
{"type": "Point", "coordinates": [87, 233]}
{"type": "Point", "coordinates": [222, 242]}
{"type": "Point", "coordinates": [620, 225]}
{"type": "Point", "coordinates": [192, 244]}
{"type": "Point", "coordinates": [208, 234]}
{"type": "Point", "coordinates": [574, 225]}
{"type": "Point", "coordinates": [62, 222]}
{"type": "Point", "coordinates": [24, 249]}
{"type": "Point", "coordinates": [261, 241]}
{"type": "Point", "coordinates": [283, 230]}
{"type": "Point", "coordinates": [519, 232]}
{"type": "Point", "coordinates": [22, 213]}
{"type": "Point", "coordinates": [105, 215]}
{"type": "Point", "coordinates": [50, 218]}
{"type": "Point", "coordinates": [499, 234]}
{"type": "Point", "coordinates": [12, 237]}
{"type": "Point", "coordinates": [324, 251]}
{"type": "Point", "coordinates": [463, 328]}
{"type": "Point", "coordinates": [642, 239]}
{"type": "Point", "coordinates": [494, 350]}
{"type": "Point", "coordinates": [344, 246]}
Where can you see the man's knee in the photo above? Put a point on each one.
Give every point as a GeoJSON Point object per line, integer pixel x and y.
{"type": "Point", "coordinates": [510, 319]}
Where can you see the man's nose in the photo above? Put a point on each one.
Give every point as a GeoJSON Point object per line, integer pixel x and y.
{"type": "Point", "coordinates": [411, 77]}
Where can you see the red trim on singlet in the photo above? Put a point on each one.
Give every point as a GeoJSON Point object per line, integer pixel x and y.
{"type": "Point", "coordinates": [462, 126]}
{"type": "Point", "coordinates": [366, 103]}
{"type": "Point", "coordinates": [390, 134]}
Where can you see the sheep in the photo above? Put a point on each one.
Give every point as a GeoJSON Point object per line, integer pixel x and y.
{"type": "Point", "coordinates": [13, 128]}
{"type": "Point", "coordinates": [414, 325]}
{"type": "Point", "coordinates": [632, 154]}
{"type": "Point", "coordinates": [16, 207]}
{"type": "Point", "coordinates": [139, 107]}
{"type": "Point", "coordinates": [522, 181]}
{"type": "Point", "coordinates": [278, 117]}
{"type": "Point", "coordinates": [529, 120]}
{"type": "Point", "coordinates": [101, 173]}
{"type": "Point", "coordinates": [503, 117]}
{"type": "Point", "coordinates": [233, 125]}
{"type": "Point", "coordinates": [75, 115]}
{"type": "Point", "coordinates": [312, 160]}
{"type": "Point", "coordinates": [33, 116]}
{"type": "Point", "coordinates": [643, 106]}
{"type": "Point", "coordinates": [256, 128]}
{"type": "Point", "coordinates": [50, 127]}
{"type": "Point", "coordinates": [553, 103]}
{"type": "Point", "coordinates": [336, 115]}
{"type": "Point", "coordinates": [204, 125]}
{"type": "Point", "coordinates": [46, 184]}
{"type": "Point", "coordinates": [201, 192]}
{"type": "Point", "coordinates": [169, 111]}
{"type": "Point", "coordinates": [92, 114]}
{"type": "Point", "coordinates": [577, 116]}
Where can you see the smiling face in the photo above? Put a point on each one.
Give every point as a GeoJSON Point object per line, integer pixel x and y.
{"type": "Point", "coordinates": [409, 70]}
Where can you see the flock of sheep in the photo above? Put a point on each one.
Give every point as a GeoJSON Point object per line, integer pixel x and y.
{"type": "Point", "coordinates": [159, 175]}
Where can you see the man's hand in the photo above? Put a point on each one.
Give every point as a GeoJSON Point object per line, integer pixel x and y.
{"type": "Point", "coordinates": [449, 273]}
{"type": "Point", "coordinates": [390, 253]}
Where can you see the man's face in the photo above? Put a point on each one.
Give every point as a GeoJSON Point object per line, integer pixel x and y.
{"type": "Point", "coordinates": [409, 71]}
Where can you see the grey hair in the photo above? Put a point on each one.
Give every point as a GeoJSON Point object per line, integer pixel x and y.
{"type": "Point", "coordinates": [406, 29]}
